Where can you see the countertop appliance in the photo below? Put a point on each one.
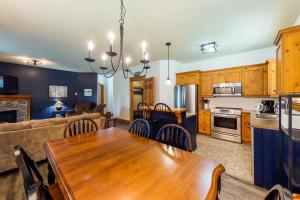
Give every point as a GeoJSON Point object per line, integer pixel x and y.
{"type": "Point", "coordinates": [268, 106]}
{"type": "Point", "coordinates": [226, 124]}
{"type": "Point", "coordinates": [227, 89]}
{"type": "Point", "coordinates": [186, 96]}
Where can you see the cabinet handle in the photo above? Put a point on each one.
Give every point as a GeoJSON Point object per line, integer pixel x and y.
{"type": "Point", "coordinates": [248, 125]}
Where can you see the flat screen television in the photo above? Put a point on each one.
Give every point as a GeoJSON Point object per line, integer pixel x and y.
{"type": "Point", "coordinates": [9, 85]}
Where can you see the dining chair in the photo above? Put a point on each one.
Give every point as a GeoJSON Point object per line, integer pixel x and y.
{"type": "Point", "coordinates": [144, 111]}
{"type": "Point", "coordinates": [176, 136]}
{"type": "Point", "coordinates": [140, 127]}
{"type": "Point", "coordinates": [80, 126]}
{"type": "Point", "coordinates": [32, 179]}
{"type": "Point", "coordinates": [162, 107]}
{"type": "Point", "coordinates": [277, 192]}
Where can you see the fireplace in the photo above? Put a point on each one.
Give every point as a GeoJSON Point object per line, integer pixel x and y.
{"type": "Point", "coordinates": [9, 116]}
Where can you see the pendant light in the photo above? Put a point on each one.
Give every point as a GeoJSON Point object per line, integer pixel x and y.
{"type": "Point", "coordinates": [168, 81]}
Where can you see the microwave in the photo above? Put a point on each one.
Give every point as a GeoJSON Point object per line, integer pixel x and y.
{"type": "Point", "coordinates": [227, 89]}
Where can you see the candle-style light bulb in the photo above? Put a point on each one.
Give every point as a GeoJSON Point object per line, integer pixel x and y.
{"type": "Point", "coordinates": [127, 60]}
{"type": "Point", "coordinates": [146, 56]}
{"type": "Point", "coordinates": [91, 45]}
{"type": "Point", "coordinates": [104, 57]}
{"type": "Point", "coordinates": [144, 46]}
{"type": "Point", "coordinates": [111, 37]}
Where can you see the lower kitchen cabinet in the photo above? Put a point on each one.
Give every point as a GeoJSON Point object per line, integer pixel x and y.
{"type": "Point", "coordinates": [246, 129]}
{"type": "Point", "coordinates": [204, 122]}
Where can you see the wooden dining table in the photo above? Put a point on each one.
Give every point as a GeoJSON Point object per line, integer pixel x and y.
{"type": "Point", "coordinates": [115, 164]}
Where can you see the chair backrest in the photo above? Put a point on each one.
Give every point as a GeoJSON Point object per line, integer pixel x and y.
{"type": "Point", "coordinates": [82, 107]}
{"type": "Point", "coordinates": [161, 107]}
{"type": "Point", "coordinates": [176, 136]}
{"type": "Point", "coordinates": [140, 127]}
{"type": "Point", "coordinates": [277, 192]}
{"type": "Point", "coordinates": [31, 175]}
{"type": "Point", "coordinates": [144, 111]}
{"type": "Point", "coordinates": [80, 126]}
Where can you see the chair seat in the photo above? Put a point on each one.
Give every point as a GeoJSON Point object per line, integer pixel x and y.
{"type": "Point", "coordinates": [55, 192]}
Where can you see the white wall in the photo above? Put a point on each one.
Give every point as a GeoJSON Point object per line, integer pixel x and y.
{"type": "Point", "coordinates": [239, 59]}
{"type": "Point", "coordinates": [297, 22]}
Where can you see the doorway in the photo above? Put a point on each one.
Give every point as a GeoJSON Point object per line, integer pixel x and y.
{"type": "Point", "coordinates": [141, 91]}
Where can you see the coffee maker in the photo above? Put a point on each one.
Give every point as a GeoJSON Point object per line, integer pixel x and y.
{"type": "Point", "coordinates": [267, 106]}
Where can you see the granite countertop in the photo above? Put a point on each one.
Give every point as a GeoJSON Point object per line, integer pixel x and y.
{"type": "Point", "coordinates": [271, 124]}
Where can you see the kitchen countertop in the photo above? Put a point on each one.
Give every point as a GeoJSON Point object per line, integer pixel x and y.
{"type": "Point", "coordinates": [271, 124]}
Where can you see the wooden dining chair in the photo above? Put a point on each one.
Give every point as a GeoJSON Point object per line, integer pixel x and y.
{"type": "Point", "coordinates": [176, 136]}
{"type": "Point", "coordinates": [162, 107]}
{"type": "Point", "coordinates": [80, 126]}
{"type": "Point", "coordinates": [140, 127]}
{"type": "Point", "coordinates": [144, 111]}
{"type": "Point", "coordinates": [32, 179]}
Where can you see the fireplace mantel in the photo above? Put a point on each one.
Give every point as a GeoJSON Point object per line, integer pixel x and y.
{"type": "Point", "coordinates": [17, 102]}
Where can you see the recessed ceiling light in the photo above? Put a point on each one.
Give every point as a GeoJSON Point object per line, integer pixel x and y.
{"type": "Point", "coordinates": [209, 47]}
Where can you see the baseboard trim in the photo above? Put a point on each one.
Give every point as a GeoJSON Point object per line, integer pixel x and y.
{"type": "Point", "coordinates": [122, 121]}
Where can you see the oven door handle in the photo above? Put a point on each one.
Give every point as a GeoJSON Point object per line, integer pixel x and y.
{"type": "Point", "coordinates": [227, 116]}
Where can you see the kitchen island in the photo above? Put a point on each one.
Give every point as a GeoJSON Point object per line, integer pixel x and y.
{"type": "Point", "coordinates": [270, 152]}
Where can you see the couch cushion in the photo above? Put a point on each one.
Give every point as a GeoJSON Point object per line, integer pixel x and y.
{"type": "Point", "coordinates": [4, 127]}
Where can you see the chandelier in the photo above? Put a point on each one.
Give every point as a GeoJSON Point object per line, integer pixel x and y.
{"type": "Point", "coordinates": [109, 68]}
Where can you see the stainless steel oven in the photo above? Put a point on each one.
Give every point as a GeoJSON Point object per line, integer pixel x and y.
{"type": "Point", "coordinates": [226, 124]}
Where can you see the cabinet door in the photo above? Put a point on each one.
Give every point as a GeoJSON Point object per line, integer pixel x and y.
{"type": "Point", "coordinates": [246, 129]}
{"type": "Point", "coordinates": [192, 78]}
{"type": "Point", "coordinates": [206, 84]}
{"type": "Point", "coordinates": [148, 94]}
{"type": "Point", "coordinates": [291, 63]}
{"type": "Point", "coordinates": [233, 76]}
{"type": "Point", "coordinates": [279, 68]}
{"type": "Point", "coordinates": [219, 77]}
{"type": "Point", "coordinates": [180, 79]}
{"type": "Point", "coordinates": [204, 122]}
{"type": "Point", "coordinates": [272, 80]}
{"type": "Point", "coordinates": [254, 81]}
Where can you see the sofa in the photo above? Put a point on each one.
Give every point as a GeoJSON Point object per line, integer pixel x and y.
{"type": "Point", "coordinates": [32, 135]}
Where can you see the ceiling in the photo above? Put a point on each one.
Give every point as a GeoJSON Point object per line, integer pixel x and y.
{"type": "Point", "coordinates": [57, 31]}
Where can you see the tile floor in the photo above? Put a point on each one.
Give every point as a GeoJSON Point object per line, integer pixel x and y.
{"type": "Point", "coordinates": [236, 158]}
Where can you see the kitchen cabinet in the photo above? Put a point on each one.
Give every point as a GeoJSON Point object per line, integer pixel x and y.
{"type": "Point", "coordinates": [206, 82]}
{"type": "Point", "coordinates": [272, 78]}
{"type": "Point", "coordinates": [219, 77]}
{"type": "Point", "coordinates": [233, 76]}
{"type": "Point", "coordinates": [246, 129]}
{"type": "Point", "coordinates": [188, 78]}
{"type": "Point", "coordinates": [255, 80]}
{"type": "Point", "coordinates": [204, 123]}
{"type": "Point", "coordinates": [287, 60]}
{"type": "Point", "coordinates": [227, 76]}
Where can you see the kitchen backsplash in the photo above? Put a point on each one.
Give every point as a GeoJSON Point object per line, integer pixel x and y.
{"type": "Point", "coordinates": [235, 102]}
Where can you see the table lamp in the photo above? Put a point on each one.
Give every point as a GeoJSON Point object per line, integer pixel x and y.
{"type": "Point", "coordinates": [58, 105]}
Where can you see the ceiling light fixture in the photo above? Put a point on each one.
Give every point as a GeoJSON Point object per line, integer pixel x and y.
{"type": "Point", "coordinates": [35, 62]}
{"type": "Point", "coordinates": [209, 47]}
{"type": "Point", "coordinates": [168, 81]}
{"type": "Point", "coordinates": [121, 64]}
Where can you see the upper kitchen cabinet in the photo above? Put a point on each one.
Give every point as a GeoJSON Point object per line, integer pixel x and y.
{"type": "Point", "coordinates": [287, 60]}
{"type": "Point", "coordinates": [233, 75]}
{"type": "Point", "coordinates": [227, 76]}
{"type": "Point", "coordinates": [206, 82]}
{"type": "Point", "coordinates": [255, 80]}
{"type": "Point", "coordinates": [272, 79]}
{"type": "Point", "coordinates": [188, 78]}
{"type": "Point", "coordinates": [219, 77]}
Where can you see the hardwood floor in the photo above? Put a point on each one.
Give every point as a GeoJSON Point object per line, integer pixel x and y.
{"type": "Point", "coordinates": [11, 186]}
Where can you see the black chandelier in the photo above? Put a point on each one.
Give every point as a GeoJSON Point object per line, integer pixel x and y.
{"type": "Point", "coordinates": [108, 56]}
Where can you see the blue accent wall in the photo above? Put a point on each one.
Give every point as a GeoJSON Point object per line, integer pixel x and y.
{"type": "Point", "coordinates": [35, 81]}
